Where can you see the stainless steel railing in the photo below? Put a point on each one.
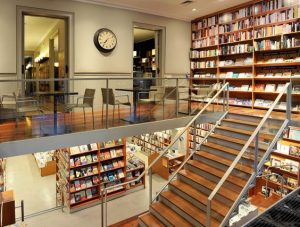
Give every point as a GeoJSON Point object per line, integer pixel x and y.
{"type": "Point", "coordinates": [149, 169]}
{"type": "Point", "coordinates": [254, 136]}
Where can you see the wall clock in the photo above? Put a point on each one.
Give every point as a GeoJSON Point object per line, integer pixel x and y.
{"type": "Point", "coordinates": [105, 40]}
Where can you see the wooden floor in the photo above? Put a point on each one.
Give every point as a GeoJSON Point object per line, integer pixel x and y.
{"type": "Point", "coordinates": [42, 125]}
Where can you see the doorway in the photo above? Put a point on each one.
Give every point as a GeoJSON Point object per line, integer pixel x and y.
{"type": "Point", "coordinates": [45, 51]}
{"type": "Point", "coordinates": [146, 56]}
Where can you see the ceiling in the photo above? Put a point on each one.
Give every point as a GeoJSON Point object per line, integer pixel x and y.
{"type": "Point", "coordinates": [36, 29]}
{"type": "Point", "coordinates": [141, 35]}
{"type": "Point", "coordinates": [171, 8]}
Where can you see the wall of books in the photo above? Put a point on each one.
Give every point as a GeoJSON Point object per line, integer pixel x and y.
{"type": "Point", "coordinates": [84, 171]}
{"type": "Point", "coordinates": [254, 47]}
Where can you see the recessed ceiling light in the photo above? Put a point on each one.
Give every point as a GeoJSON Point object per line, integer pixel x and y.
{"type": "Point", "coordinates": [194, 9]}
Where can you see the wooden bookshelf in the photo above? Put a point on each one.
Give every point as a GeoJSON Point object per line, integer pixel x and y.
{"type": "Point", "coordinates": [84, 171]}
{"type": "Point", "coordinates": [266, 33]}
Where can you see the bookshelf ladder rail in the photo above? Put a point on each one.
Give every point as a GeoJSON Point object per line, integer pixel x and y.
{"type": "Point", "coordinates": [254, 135]}
{"type": "Point", "coordinates": [149, 170]}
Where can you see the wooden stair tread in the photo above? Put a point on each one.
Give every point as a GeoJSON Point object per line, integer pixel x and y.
{"type": "Point", "coordinates": [224, 161]}
{"type": "Point", "coordinates": [217, 172]}
{"type": "Point", "coordinates": [225, 149]}
{"type": "Point", "coordinates": [229, 194]}
{"type": "Point", "coordinates": [235, 140]}
{"type": "Point", "coordinates": [200, 197]}
{"type": "Point", "coordinates": [232, 120]}
{"type": "Point", "coordinates": [188, 208]}
{"type": "Point", "coordinates": [150, 220]}
{"type": "Point", "coordinates": [246, 132]}
{"type": "Point", "coordinates": [170, 215]}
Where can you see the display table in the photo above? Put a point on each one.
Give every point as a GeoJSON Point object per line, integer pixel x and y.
{"type": "Point", "coordinates": [166, 165]}
{"type": "Point", "coordinates": [46, 162]}
{"type": "Point", "coordinates": [9, 216]}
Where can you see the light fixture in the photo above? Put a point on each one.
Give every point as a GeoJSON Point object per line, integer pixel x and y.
{"type": "Point", "coordinates": [194, 9]}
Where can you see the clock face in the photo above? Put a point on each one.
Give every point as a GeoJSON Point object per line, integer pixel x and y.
{"type": "Point", "coordinates": [105, 40]}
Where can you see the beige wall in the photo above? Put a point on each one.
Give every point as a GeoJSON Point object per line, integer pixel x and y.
{"type": "Point", "coordinates": [87, 19]}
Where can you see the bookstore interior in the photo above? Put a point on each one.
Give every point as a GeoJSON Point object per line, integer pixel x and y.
{"type": "Point", "coordinates": [254, 46]}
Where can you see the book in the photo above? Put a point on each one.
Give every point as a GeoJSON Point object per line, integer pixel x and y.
{"type": "Point", "coordinates": [95, 170]}
{"type": "Point", "coordinates": [115, 164]}
{"type": "Point", "coordinates": [89, 170]}
{"type": "Point", "coordinates": [82, 196]}
{"type": "Point", "coordinates": [77, 173]}
{"type": "Point", "coordinates": [72, 175]}
{"type": "Point", "coordinates": [89, 182]}
{"type": "Point", "coordinates": [82, 184]}
{"type": "Point", "coordinates": [120, 174]}
{"type": "Point", "coordinates": [109, 143]}
{"type": "Point", "coordinates": [89, 159]}
{"type": "Point", "coordinates": [95, 158]}
{"type": "Point", "coordinates": [72, 199]}
{"type": "Point", "coordinates": [77, 185]}
{"type": "Point", "coordinates": [72, 162]}
{"type": "Point", "coordinates": [84, 148]}
{"type": "Point", "coordinates": [270, 88]}
{"type": "Point", "coordinates": [113, 153]}
{"type": "Point", "coordinates": [95, 180]}
{"type": "Point", "coordinates": [93, 146]}
{"type": "Point", "coordinates": [94, 191]}
{"type": "Point", "coordinates": [84, 172]}
{"type": "Point", "coordinates": [77, 161]}
{"type": "Point", "coordinates": [74, 150]}
{"type": "Point", "coordinates": [72, 187]}
{"type": "Point", "coordinates": [89, 193]}
{"type": "Point", "coordinates": [77, 197]}
{"type": "Point", "coordinates": [83, 160]}
{"type": "Point", "coordinates": [259, 87]}
{"type": "Point", "coordinates": [295, 151]}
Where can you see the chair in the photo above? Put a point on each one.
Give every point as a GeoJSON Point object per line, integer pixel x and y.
{"type": "Point", "coordinates": [154, 96]}
{"type": "Point", "coordinates": [171, 94]}
{"type": "Point", "coordinates": [21, 104]}
{"type": "Point", "coordinates": [87, 102]}
{"type": "Point", "coordinates": [109, 98]}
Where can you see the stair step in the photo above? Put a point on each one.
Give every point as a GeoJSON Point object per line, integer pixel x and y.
{"type": "Point", "coordinates": [169, 215]}
{"type": "Point", "coordinates": [200, 197]}
{"type": "Point", "coordinates": [150, 220]}
{"type": "Point", "coordinates": [218, 173]}
{"type": "Point", "coordinates": [238, 141]}
{"type": "Point", "coordinates": [225, 149]}
{"type": "Point", "coordinates": [246, 132]}
{"type": "Point", "coordinates": [250, 123]}
{"type": "Point", "coordinates": [229, 194]}
{"type": "Point", "coordinates": [224, 161]}
{"type": "Point", "coordinates": [188, 208]}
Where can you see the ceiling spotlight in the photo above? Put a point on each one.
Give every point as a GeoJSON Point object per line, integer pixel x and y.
{"type": "Point", "coordinates": [194, 9]}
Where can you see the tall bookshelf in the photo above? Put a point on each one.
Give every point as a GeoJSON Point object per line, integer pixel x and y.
{"type": "Point", "coordinates": [254, 47]}
{"type": "Point", "coordinates": [84, 171]}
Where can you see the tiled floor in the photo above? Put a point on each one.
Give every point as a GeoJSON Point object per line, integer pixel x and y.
{"type": "Point", "coordinates": [38, 194]}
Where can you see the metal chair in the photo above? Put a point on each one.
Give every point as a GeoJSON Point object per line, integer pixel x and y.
{"type": "Point", "coordinates": [22, 105]}
{"type": "Point", "coordinates": [171, 94]}
{"type": "Point", "coordinates": [109, 98]}
{"type": "Point", "coordinates": [154, 96]}
{"type": "Point", "coordinates": [87, 102]}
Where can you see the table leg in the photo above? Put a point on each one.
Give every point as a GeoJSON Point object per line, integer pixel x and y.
{"type": "Point", "coordinates": [55, 113]}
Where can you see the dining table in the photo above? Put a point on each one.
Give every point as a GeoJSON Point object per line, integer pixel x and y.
{"type": "Point", "coordinates": [57, 95]}
{"type": "Point", "coordinates": [135, 91]}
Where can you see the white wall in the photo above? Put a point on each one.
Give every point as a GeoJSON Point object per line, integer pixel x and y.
{"type": "Point", "coordinates": [88, 18]}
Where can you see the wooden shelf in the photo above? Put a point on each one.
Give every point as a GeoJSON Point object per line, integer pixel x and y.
{"type": "Point", "coordinates": [236, 20]}
{"type": "Point", "coordinates": [276, 23]}
{"type": "Point", "coordinates": [83, 189]}
{"type": "Point", "coordinates": [79, 166]}
{"type": "Point", "coordinates": [227, 55]}
{"type": "Point", "coordinates": [110, 147]}
{"type": "Point", "coordinates": [208, 57]}
{"type": "Point", "coordinates": [236, 42]}
{"type": "Point", "coordinates": [272, 11]}
{"type": "Point", "coordinates": [272, 78]}
{"type": "Point", "coordinates": [291, 157]}
{"type": "Point", "coordinates": [235, 66]}
{"type": "Point", "coordinates": [278, 64]}
{"type": "Point", "coordinates": [103, 160]}
{"type": "Point", "coordinates": [85, 200]}
{"type": "Point", "coordinates": [284, 172]}
{"type": "Point", "coordinates": [207, 47]}
{"type": "Point", "coordinates": [246, 78]}
{"type": "Point", "coordinates": [79, 178]}
{"type": "Point", "coordinates": [232, 32]}
{"type": "Point", "coordinates": [138, 168]}
{"type": "Point", "coordinates": [278, 50]}
{"type": "Point", "coordinates": [83, 153]}
{"type": "Point", "coordinates": [105, 171]}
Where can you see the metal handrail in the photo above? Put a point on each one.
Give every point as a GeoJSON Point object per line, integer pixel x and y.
{"type": "Point", "coordinates": [191, 154]}
{"type": "Point", "coordinates": [245, 147]}
{"type": "Point", "coordinates": [179, 134]}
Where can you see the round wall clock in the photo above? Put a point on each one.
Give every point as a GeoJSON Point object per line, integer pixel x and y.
{"type": "Point", "coordinates": [105, 40]}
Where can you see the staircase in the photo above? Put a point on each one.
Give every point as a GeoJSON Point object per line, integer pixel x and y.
{"type": "Point", "coordinates": [184, 203]}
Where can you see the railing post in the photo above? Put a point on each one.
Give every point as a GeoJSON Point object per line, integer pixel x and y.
{"type": "Point", "coordinates": [289, 102]}
{"type": "Point", "coordinates": [177, 97]}
{"type": "Point", "coordinates": [105, 201]}
{"type": "Point", "coordinates": [227, 98]}
{"type": "Point", "coordinates": [102, 208]}
{"type": "Point", "coordinates": [256, 154]}
{"type": "Point", "coordinates": [208, 212]}
{"type": "Point", "coordinates": [150, 186]}
{"type": "Point", "coordinates": [107, 101]}
{"type": "Point", "coordinates": [22, 210]}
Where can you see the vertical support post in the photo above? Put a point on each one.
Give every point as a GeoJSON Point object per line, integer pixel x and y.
{"type": "Point", "coordinates": [224, 98]}
{"type": "Point", "coordinates": [22, 210]}
{"type": "Point", "coordinates": [194, 132]}
{"type": "Point", "coordinates": [289, 102]}
{"type": "Point", "coordinates": [227, 97]}
{"type": "Point", "coordinates": [150, 186]}
{"type": "Point", "coordinates": [102, 208]}
{"type": "Point", "coordinates": [177, 98]}
{"type": "Point", "coordinates": [107, 101]}
{"type": "Point", "coordinates": [105, 201]}
{"type": "Point", "coordinates": [208, 210]}
{"type": "Point", "coordinates": [256, 154]}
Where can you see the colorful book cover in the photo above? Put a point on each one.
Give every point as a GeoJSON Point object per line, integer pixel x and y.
{"type": "Point", "coordinates": [84, 172]}
{"type": "Point", "coordinates": [82, 184]}
{"type": "Point", "coordinates": [72, 162]}
{"type": "Point", "coordinates": [94, 146]}
{"type": "Point", "coordinates": [72, 175]}
{"type": "Point", "coordinates": [89, 159]}
{"type": "Point", "coordinates": [74, 150]}
{"type": "Point", "coordinates": [72, 188]}
{"type": "Point", "coordinates": [77, 185]}
{"type": "Point", "coordinates": [83, 160]}
{"type": "Point", "coordinates": [89, 182]}
{"type": "Point", "coordinates": [89, 170]}
{"type": "Point", "coordinates": [89, 193]}
{"type": "Point", "coordinates": [95, 180]}
{"type": "Point", "coordinates": [95, 170]}
{"type": "Point", "coordinates": [95, 158]}
{"type": "Point", "coordinates": [84, 148]}
{"type": "Point", "coordinates": [78, 173]}
{"type": "Point", "coordinates": [77, 161]}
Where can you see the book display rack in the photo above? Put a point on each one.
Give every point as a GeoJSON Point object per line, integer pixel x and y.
{"type": "Point", "coordinates": [84, 171]}
{"type": "Point", "coordinates": [254, 47]}
{"type": "Point", "coordinates": [197, 134]}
